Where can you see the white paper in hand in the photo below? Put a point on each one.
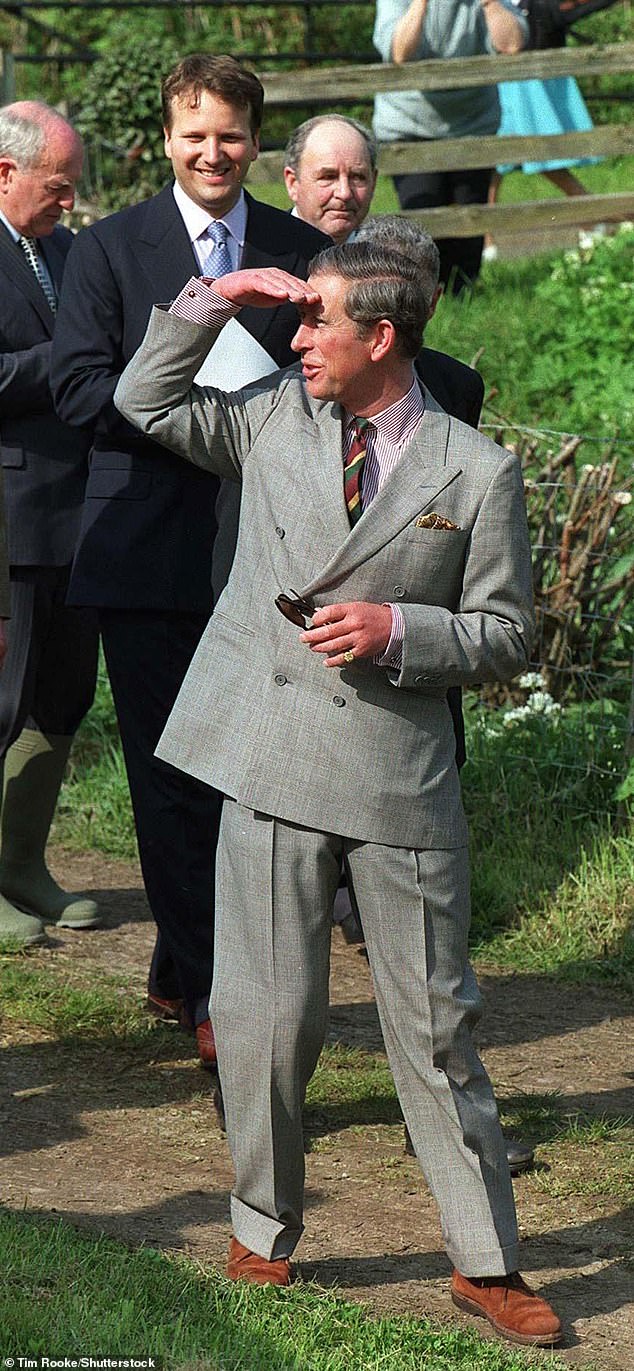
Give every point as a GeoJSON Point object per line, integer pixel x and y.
{"type": "Point", "coordinates": [234, 360]}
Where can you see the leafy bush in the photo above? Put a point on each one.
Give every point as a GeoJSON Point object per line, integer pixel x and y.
{"type": "Point", "coordinates": [120, 118]}
{"type": "Point", "coordinates": [587, 306]}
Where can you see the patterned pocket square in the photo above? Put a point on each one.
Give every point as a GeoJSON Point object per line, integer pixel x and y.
{"type": "Point", "coordinates": [434, 520]}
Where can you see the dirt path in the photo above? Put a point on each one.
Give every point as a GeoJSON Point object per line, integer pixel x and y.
{"type": "Point", "coordinates": [129, 1145]}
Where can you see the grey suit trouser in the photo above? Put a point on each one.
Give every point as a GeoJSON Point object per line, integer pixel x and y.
{"type": "Point", "coordinates": [276, 884]}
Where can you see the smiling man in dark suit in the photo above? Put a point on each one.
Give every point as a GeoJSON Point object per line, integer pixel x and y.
{"type": "Point", "coordinates": [149, 524]}
{"type": "Point", "coordinates": [49, 677]}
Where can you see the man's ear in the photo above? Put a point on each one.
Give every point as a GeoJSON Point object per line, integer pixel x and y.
{"type": "Point", "coordinates": [384, 340]}
{"type": "Point", "coordinates": [438, 293]}
{"type": "Point", "coordinates": [290, 180]}
{"type": "Point", "coordinates": [7, 168]}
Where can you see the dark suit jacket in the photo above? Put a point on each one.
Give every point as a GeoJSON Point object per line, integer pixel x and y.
{"type": "Point", "coordinates": [44, 460]}
{"type": "Point", "coordinates": [457, 387]}
{"type": "Point", "coordinates": [148, 524]}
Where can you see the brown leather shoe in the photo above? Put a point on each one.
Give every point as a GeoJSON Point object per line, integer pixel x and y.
{"type": "Point", "coordinates": [510, 1306]}
{"type": "Point", "coordinates": [206, 1045]}
{"type": "Point", "coordinates": [244, 1265]}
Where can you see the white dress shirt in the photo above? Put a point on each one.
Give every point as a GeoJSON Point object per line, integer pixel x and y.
{"type": "Point", "coordinates": [197, 221]}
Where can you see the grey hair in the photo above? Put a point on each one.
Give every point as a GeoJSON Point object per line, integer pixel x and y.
{"type": "Point", "coordinates": [22, 137]}
{"type": "Point", "coordinates": [299, 137]}
{"type": "Point", "coordinates": [384, 284]}
{"type": "Point", "coordinates": [403, 235]}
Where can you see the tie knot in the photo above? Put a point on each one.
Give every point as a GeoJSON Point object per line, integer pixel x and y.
{"type": "Point", "coordinates": [218, 233]}
{"type": "Point", "coordinates": [29, 243]}
{"type": "Point", "coordinates": [361, 425]}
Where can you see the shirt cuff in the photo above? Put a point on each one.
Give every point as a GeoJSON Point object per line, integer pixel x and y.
{"type": "Point", "coordinates": [200, 304]}
{"type": "Point", "coordinates": [393, 655]}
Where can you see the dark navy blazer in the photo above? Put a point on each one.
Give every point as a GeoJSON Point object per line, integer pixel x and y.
{"type": "Point", "coordinates": [44, 460]}
{"type": "Point", "coordinates": [148, 524]}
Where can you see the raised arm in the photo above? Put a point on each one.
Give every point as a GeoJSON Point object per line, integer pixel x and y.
{"type": "Point", "coordinates": [505, 29]}
{"type": "Point", "coordinates": [507, 33]}
{"type": "Point", "coordinates": [157, 394]}
{"type": "Point", "coordinates": [408, 32]}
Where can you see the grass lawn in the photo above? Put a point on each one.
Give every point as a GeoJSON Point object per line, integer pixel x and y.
{"type": "Point", "coordinates": [68, 1294]}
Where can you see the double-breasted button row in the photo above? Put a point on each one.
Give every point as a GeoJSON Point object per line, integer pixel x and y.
{"type": "Point", "coordinates": [282, 680]}
{"type": "Point", "coordinates": [429, 679]}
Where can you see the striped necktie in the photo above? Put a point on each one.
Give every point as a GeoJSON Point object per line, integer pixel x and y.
{"type": "Point", "coordinates": [353, 467]}
{"type": "Point", "coordinates": [218, 263]}
{"type": "Point", "coordinates": [29, 248]}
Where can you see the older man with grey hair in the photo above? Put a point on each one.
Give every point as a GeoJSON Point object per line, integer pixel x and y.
{"type": "Point", "coordinates": [48, 681]}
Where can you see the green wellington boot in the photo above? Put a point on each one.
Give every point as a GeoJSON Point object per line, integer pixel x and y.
{"type": "Point", "coordinates": [16, 927]}
{"type": "Point", "coordinates": [33, 771]}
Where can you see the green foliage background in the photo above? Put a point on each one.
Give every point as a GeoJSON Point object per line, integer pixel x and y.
{"type": "Point", "coordinates": [115, 99]}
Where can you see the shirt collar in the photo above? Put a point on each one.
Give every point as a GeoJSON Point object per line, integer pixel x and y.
{"type": "Point", "coordinates": [14, 232]}
{"type": "Point", "coordinates": [395, 422]}
{"type": "Point", "coordinates": [197, 220]}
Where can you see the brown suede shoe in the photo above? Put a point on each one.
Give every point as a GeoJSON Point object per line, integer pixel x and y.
{"type": "Point", "coordinates": [206, 1045]}
{"type": "Point", "coordinates": [244, 1265]}
{"type": "Point", "coordinates": [510, 1306]}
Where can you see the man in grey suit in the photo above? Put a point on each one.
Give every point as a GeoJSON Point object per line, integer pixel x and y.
{"type": "Point", "coordinates": [395, 539]}
{"type": "Point", "coordinates": [48, 681]}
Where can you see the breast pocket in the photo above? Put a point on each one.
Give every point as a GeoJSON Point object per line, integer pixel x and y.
{"type": "Point", "coordinates": [436, 542]}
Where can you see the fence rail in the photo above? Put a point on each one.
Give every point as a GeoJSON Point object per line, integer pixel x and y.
{"type": "Point", "coordinates": [321, 87]}
{"type": "Point", "coordinates": [609, 140]}
{"type": "Point", "coordinates": [327, 85]}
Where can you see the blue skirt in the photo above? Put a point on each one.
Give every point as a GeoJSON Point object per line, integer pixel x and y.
{"type": "Point", "coordinates": [542, 107]}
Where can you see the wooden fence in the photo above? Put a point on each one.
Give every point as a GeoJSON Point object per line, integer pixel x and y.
{"type": "Point", "coordinates": [324, 88]}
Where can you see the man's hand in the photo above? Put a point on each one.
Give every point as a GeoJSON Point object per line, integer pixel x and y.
{"type": "Point", "coordinates": [361, 628]}
{"type": "Point", "coordinates": [264, 287]}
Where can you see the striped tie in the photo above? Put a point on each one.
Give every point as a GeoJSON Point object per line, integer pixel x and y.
{"type": "Point", "coordinates": [29, 248]}
{"type": "Point", "coordinates": [353, 467]}
{"type": "Point", "coordinates": [218, 263]}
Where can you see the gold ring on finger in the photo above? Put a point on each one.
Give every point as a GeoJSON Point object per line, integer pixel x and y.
{"type": "Point", "coordinates": [348, 656]}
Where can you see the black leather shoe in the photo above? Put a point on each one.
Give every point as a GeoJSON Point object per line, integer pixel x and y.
{"type": "Point", "coordinates": [521, 1156]}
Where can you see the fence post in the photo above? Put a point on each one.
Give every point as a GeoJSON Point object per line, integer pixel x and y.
{"type": "Point", "coordinates": [7, 77]}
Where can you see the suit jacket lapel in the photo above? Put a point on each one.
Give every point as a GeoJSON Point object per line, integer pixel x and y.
{"type": "Point", "coordinates": [413, 485]}
{"type": "Point", "coordinates": [320, 460]}
{"type": "Point", "coordinates": [163, 248]}
{"type": "Point", "coordinates": [23, 276]}
{"type": "Point", "coordinates": [260, 251]}
{"type": "Point", "coordinates": [50, 249]}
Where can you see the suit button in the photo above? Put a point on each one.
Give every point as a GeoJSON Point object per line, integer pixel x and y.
{"type": "Point", "coordinates": [281, 532]}
{"type": "Point", "coordinates": [399, 592]}
{"type": "Point", "coordinates": [338, 700]}
{"type": "Point", "coordinates": [280, 679]}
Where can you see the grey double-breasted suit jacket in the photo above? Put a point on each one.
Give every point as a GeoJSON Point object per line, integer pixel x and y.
{"type": "Point", "coordinates": [365, 751]}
